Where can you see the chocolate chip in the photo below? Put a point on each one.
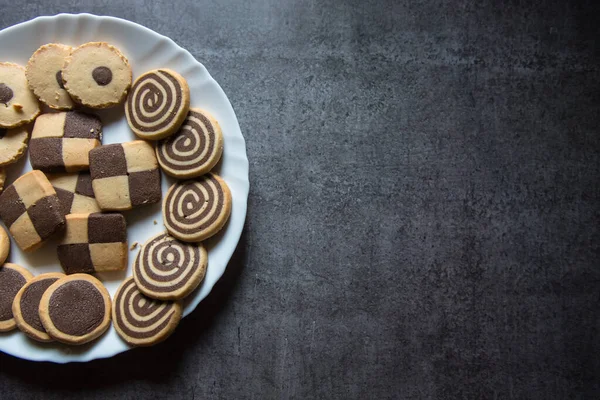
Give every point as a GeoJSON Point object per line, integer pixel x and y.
{"type": "Point", "coordinates": [102, 75]}
{"type": "Point", "coordinates": [6, 94]}
{"type": "Point", "coordinates": [59, 79]}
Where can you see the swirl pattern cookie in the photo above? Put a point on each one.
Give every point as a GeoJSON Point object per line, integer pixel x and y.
{"type": "Point", "coordinates": [157, 104]}
{"type": "Point", "coordinates": [194, 149]}
{"type": "Point", "coordinates": [167, 269]}
{"type": "Point", "coordinates": [44, 75]}
{"type": "Point", "coordinates": [75, 309]}
{"type": "Point", "coordinates": [197, 209]}
{"type": "Point", "coordinates": [12, 279]}
{"type": "Point", "coordinates": [13, 143]}
{"type": "Point", "coordinates": [97, 75]}
{"type": "Point", "coordinates": [18, 105]}
{"type": "Point", "coordinates": [140, 320]}
{"type": "Point", "coordinates": [26, 306]}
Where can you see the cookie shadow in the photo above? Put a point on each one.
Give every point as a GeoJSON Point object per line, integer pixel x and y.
{"type": "Point", "coordinates": [160, 363]}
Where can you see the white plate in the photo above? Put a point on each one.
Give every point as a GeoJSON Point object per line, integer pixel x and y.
{"type": "Point", "coordinates": [145, 50]}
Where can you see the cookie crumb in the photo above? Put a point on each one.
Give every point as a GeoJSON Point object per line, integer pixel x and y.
{"type": "Point", "coordinates": [155, 222]}
{"type": "Point", "coordinates": [133, 246]}
{"type": "Point", "coordinates": [17, 106]}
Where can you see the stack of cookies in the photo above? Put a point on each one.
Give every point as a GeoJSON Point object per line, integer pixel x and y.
{"type": "Point", "coordinates": [79, 187]}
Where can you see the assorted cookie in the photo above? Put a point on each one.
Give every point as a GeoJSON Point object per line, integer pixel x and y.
{"type": "Point", "coordinates": [194, 149]}
{"type": "Point", "coordinates": [44, 75]}
{"type": "Point", "coordinates": [141, 320]}
{"type": "Point", "coordinates": [86, 179]}
{"type": "Point", "coordinates": [4, 245]}
{"type": "Point", "coordinates": [61, 142]}
{"type": "Point", "coordinates": [31, 210]}
{"type": "Point", "coordinates": [12, 278]}
{"type": "Point", "coordinates": [18, 105]}
{"type": "Point", "coordinates": [168, 269]}
{"type": "Point", "coordinates": [94, 243]}
{"type": "Point", "coordinates": [125, 175]}
{"type": "Point", "coordinates": [13, 143]}
{"type": "Point", "coordinates": [97, 75]}
{"type": "Point", "coordinates": [25, 306]}
{"type": "Point", "coordinates": [74, 192]}
{"type": "Point", "coordinates": [75, 309]}
{"type": "Point", "coordinates": [197, 209]}
{"type": "Point", "coordinates": [157, 104]}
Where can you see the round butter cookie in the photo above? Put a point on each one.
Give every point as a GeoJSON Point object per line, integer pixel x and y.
{"type": "Point", "coordinates": [18, 104]}
{"type": "Point", "coordinates": [157, 104]}
{"type": "Point", "coordinates": [4, 245]}
{"type": "Point", "coordinates": [12, 279]}
{"type": "Point", "coordinates": [97, 75]}
{"type": "Point", "coordinates": [75, 309]}
{"type": "Point", "coordinates": [44, 74]}
{"type": "Point", "coordinates": [26, 306]}
{"type": "Point", "coordinates": [13, 143]}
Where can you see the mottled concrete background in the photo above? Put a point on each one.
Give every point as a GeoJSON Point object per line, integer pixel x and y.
{"type": "Point", "coordinates": [424, 212]}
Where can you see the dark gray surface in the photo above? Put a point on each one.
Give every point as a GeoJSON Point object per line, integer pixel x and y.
{"type": "Point", "coordinates": [423, 216]}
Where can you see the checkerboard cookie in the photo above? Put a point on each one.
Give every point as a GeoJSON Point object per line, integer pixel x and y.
{"type": "Point", "coordinates": [26, 306]}
{"type": "Point", "coordinates": [197, 209]}
{"type": "Point", "coordinates": [61, 141]}
{"type": "Point", "coordinates": [18, 105]}
{"type": "Point", "coordinates": [75, 192]}
{"type": "Point", "coordinates": [13, 143]}
{"type": "Point", "coordinates": [97, 75]}
{"type": "Point", "coordinates": [125, 175]}
{"type": "Point", "coordinates": [194, 149]}
{"type": "Point", "coordinates": [31, 210]}
{"type": "Point", "coordinates": [44, 75]}
{"type": "Point", "coordinates": [141, 320]}
{"type": "Point", "coordinates": [12, 279]}
{"type": "Point", "coordinates": [94, 243]}
{"type": "Point", "coordinates": [157, 104]}
{"type": "Point", "coordinates": [75, 309]}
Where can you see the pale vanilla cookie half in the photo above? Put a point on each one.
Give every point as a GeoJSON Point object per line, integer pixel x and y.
{"type": "Point", "coordinates": [97, 75]}
{"type": "Point", "coordinates": [13, 143]}
{"type": "Point", "coordinates": [197, 209]}
{"type": "Point", "coordinates": [4, 245]}
{"type": "Point", "coordinates": [75, 309]}
{"type": "Point", "coordinates": [140, 320]}
{"type": "Point", "coordinates": [157, 104]}
{"type": "Point", "coordinates": [31, 210]}
{"type": "Point", "coordinates": [94, 243]}
{"type": "Point", "coordinates": [18, 104]}
{"type": "Point", "coordinates": [75, 192]}
{"type": "Point", "coordinates": [62, 141]}
{"type": "Point", "coordinates": [12, 279]}
{"type": "Point", "coordinates": [168, 269]}
{"type": "Point", "coordinates": [125, 175]}
{"type": "Point", "coordinates": [44, 74]}
{"type": "Point", "coordinates": [194, 149]}
{"type": "Point", "coordinates": [26, 306]}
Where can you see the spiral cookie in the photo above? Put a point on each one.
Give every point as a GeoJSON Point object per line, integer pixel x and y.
{"type": "Point", "coordinates": [194, 149]}
{"type": "Point", "coordinates": [26, 305]}
{"type": "Point", "coordinates": [97, 75]}
{"type": "Point", "coordinates": [18, 104]}
{"type": "Point", "coordinates": [167, 269]}
{"type": "Point", "coordinates": [157, 104]}
{"type": "Point", "coordinates": [195, 210]}
{"type": "Point", "coordinates": [12, 279]}
{"type": "Point", "coordinates": [140, 320]}
{"type": "Point", "coordinates": [75, 309]}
